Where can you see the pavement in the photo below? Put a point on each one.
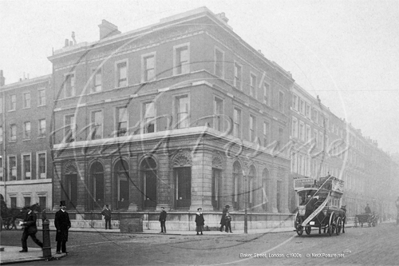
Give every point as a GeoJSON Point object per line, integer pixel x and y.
{"type": "Point", "coordinates": [11, 254]}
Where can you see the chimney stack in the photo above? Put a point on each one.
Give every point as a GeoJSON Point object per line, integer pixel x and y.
{"type": "Point", "coordinates": [2, 79]}
{"type": "Point", "coordinates": [107, 29]}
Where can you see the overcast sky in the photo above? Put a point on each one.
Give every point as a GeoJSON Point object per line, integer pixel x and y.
{"type": "Point", "coordinates": [347, 52]}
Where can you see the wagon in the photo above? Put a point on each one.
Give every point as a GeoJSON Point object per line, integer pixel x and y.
{"type": "Point", "coordinates": [366, 218]}
{"type": "Point", "coordinates": [320, 205]}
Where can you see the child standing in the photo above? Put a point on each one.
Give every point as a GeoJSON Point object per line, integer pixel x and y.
{"type": "Point", "coordinates": [228, 222]}
{"type": "Point", "coordinates": [199, 220]}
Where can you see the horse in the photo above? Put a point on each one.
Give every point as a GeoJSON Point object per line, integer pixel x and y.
{"type": "Point", "coordinates": [10, 216]}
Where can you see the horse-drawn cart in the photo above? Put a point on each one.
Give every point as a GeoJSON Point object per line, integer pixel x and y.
{"type": "Point", "coordinates": [320, 205]}
{"type": "Point", "coordinates": [366, 218]}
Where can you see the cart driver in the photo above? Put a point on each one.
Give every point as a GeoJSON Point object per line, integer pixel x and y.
{"type": "Point", "coordinates": [367, 209]}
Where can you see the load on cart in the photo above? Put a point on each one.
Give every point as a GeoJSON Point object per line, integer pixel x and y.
{"type": "Point", "coordinates": [320, 205]}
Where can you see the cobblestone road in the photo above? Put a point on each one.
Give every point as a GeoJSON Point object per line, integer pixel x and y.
{"type": "Point", "coordinates": [363, 246]}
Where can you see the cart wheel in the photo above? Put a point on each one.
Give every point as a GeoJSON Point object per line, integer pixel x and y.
{"type": "Point", "coordinates": [308, 229]}
{"type": "Point", "coordinates": [297, 225]}
{"type": "Point", "coordinates": [338, 226]}
{"type": "Point", "coordinates": [299, 230]}
{"type": "Point", "coordinates": [330, 225]}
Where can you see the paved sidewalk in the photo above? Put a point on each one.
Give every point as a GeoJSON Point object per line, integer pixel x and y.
{"type": "Point", "coordinates": [11, 254]}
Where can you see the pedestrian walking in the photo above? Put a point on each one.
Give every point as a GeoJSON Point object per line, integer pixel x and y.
{"type": "Point", "coordinates": [228, 223]}
{"type": "Point", "coordinates": [107, 216]}
{"type": "Point", "coordinates": [222, 220]}
{"type": "Point", "coordinates": [367, 209]}
{"type": "Point", "coordinates": [30, 229]}
{"type": "Point", "coordinates": [62, 224]}
{"type": "Point", "coordinates": [162, 220]}
{"type": "Point", "coordinates": [199, 221]}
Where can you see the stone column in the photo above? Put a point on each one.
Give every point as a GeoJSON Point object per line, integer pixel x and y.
{"type": "Point", "coordinates": [135, 195]}
{"type": "Point", "coordinates": [201, 180]}
{"type": "Point", "coordinates": [164, 183]}
{"type": "Point", "coordinates": [57, 179]}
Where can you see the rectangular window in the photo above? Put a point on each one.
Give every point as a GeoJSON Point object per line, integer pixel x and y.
{"type": "Point", "coordinates": [26, 97]}
{"type": "Point", "coordinates": [1, 134]}
{"type": "Point", "coordinates": [41, 165]}
{"type": "Point", "coordinates": [301, 131]}
{"type": "Point", "coordinates": [294, 127]}
{"type": "Point", "coordinates": [252, 91]}
{"type": "Point", "coordinates": [27, 201]}
{"type": "Point", "coordinates": [149, 117]}
{"type": "Point", "coordinates": [182, 111]}
{"type": "Point", "coordinates": [43, 202]}
{"type": "Point", "coordinates": [281, 102]}
{"type": "Point", "coordinates": [26, 130]}
{"type": "Point", "coordinates": [237, 76]}
{"type": "Point", "coordinates": [218, 112]}
{"type": "Point", "coordinates": [12, 168]}
{"type": "Point", "coordinates": [181, 60]}
{"type": "Point", "coordinates": [96, 81]}
{"type": "Point", "coordinates": [121, 126]}
{"type": "Point", "coordinates": [148, 66]}
{"type": "Point", "coordinates": [265, 133]}
{"type": "Point", "coordinates": [41, 94]}
{"type": "Point", "coordinates": [294, 102]}
{"type": "Point", "coordinates": [12, 103]}
{"type": "Point", "coordinates": [13, 202]}
{"type": "Point", "coordinates": [42, 128]}
{"type": "Point", "coordinates": [1, 168]}
{"type": "Point", "coordinates": [121, 72]}
{"type": "Point", "coordinates": [183, 186]}
{"type": "Point", "coordinates": [321, 139]}
{"type": "Point", "coordinates": [70, 128]}
{"type": "Point", "coordinates": [266, 92]}
{"type": "Point", "coordinates": [26, 166]}
{"type": "Point", "coordinates": [308, 133]}
{"type": "Point", "coordinates": [315, 136]}
{"type": "Point", "coordinates": [252, 128]}
{"type": "Point", "coordinates": [307, 111]}
{"type": "Point", "coordinates": [69, 85]}
{"type": "Point", "coordinates": [237, 123]}
{"type": "Point", "coordinates": [96, 125]}
{"type": "Point", "coordinates": [13, 132]}
{"type": "Point", "coordinates": [219, 63]}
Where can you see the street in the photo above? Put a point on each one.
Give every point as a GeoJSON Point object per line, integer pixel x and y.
{"type": "Point", "coordinates": [364, 246]}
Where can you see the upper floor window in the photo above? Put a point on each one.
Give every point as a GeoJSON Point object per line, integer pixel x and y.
{"type": "Point", "coordinates": [121, 126]}
{"type": "Point", "coordinates": [182, 111]}
{"type": "Point", "coordinates": [26, 97]}
{"type": "Point", "coordinates": [12, 103]}
{"type": "Point", "coordinates": [266, 92]}
{"type": "Point", "coordinates": [41, 164]}
{"type": "Point", "coordinates": [12, 167]}
{"type": "Point", "coordinates": [26, 166]}
{"type": "Point", "coordinates": [148, 67]}
{"type": "Point", "coordinates": [13, 132]}
{"type": "Point", "coordinates": [121, 74]}
{"type": "Point", "coordinates": [281, 102]}
{"type": "Point", "coordinates": [41, 94]}
{"type": "Point", "coordinates": [27, 127]}
{"type": "Point", "coordinates": [237, 123]}
{"type": "Point", "coordinates": [252, 89]}
{"type": "Point", "coordinates": [307, 111]}
{"type": "Point", "coordinates": [219, 63]}
{"type": "Point", "coordinates": [252, 128]}
{"type": "Point", "coordinates": [1, 169]}
{"type": "Point", "coordinates": [265, 133]}
{"type": "Point", "coordinates": [294, 127]}
{"type": "Point", "coordinates": [97, 125]}
{"type": "Point", "coordinates": [181, 59]}
{"type": "Point", "coordinates": [301, 131]}
{"type": "Point", "coordinates": [96, 81]}
{"type": "Point", "coordinates": [70, 128]}
{"type": "Point", "coordinates": [294, 102]}
{"type": "Point", "coordinates": [42, 128]}
{"type": "Point", "coordinates": [69, 85]}
{"type": "Point", "coordinates": [237, 76]}
{"type": "Point", "coordinates": [149, 117]}
{"type": "Point", "coordinates": [218, 114]}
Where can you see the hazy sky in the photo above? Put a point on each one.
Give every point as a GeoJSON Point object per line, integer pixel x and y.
{"type": "Point", "coordinates": [347, 52]}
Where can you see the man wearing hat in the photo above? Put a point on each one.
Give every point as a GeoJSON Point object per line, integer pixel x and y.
{"type": "Point", "coordinates": [30, 229]}
{"type": "Point", "coordinates": [199, 221]}
{"type": "Point", "coordinates": [223, 220]}
{"type": "Point", "coordinates": [62, 224]}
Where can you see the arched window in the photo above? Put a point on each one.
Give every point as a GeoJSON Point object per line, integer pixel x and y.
{"type": "Point", "coordinates": [121, 174]}
{"type": "Point", "coordinates": [148, 169]}
{"type": "Point", "coordinates": [251, 186]}
{"type": "Point", "coordinates": [265, 181]}
{"type": "Point", "coordinates": [71, 187]}
{"type": "Point", "coordinates": [97, 185]}
{"type": "Point", "coordinates": [236, 193]}
{"type": "Point", "coordinates": [216, 183]}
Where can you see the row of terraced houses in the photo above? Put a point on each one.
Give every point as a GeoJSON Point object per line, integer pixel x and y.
{"type": "Point", "coordinates": [180, 114]}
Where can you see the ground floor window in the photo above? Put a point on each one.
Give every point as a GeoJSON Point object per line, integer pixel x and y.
{"type": "Point", "coordinates": [236, 196]}
{"type": "Point", "coordinates": [149, 182]}
{"type": "Point", "coordinates": [216, 188]}
{"type": "Point", "coordinates": [43, 202]}
{"type": "Point", "coordinates": [13, 201]}
{"type": "Point", "coordinates": [71, 191]}
{"type": "Point", "coordinates": [97, 175]}
{"type": "Point", "coordinates": [121, 171]}
{"type": "Point", "coordinates": [182, 187]}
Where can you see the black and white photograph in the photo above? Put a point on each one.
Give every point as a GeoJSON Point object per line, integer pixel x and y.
{"type": "Point", "coordinates": [181, 132]}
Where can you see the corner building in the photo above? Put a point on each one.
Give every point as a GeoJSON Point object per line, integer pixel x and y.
{"type": "Point", "coordinates": [181, 114]}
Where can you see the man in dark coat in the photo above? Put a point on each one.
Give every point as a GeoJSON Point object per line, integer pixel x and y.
{"type": "Point", "coordinates": [199, 221]}
{"type": "Point", "coordinates": [62, 224]}
{"type": "Point", "coordinates": [107, 216]}
{"type": "Point", "coordinates": [30, 229]}
{"type": "Point", "coordinates": [162, 220]}
{"type": "Point", "coordinates": [367, 209]}
{"type": "Point", "coordinates": [223, 220]}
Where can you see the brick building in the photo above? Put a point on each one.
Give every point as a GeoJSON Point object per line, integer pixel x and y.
{"type": "Point", "coordinates": [181, 114]}
{"type": "Point", "coordinates": [26, 174]}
